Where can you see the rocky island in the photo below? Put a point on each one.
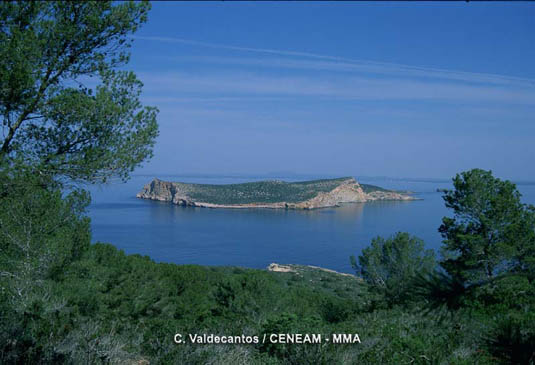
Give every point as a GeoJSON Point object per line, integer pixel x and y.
{"type": "Point", "coordinates": [269, 194]}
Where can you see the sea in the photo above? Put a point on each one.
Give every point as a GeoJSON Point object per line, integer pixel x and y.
{"type": "Point", "coordinates": [255, 238]}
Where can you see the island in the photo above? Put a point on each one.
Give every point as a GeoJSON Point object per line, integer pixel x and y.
{"type": "Point", "coordinates": [312, 194]}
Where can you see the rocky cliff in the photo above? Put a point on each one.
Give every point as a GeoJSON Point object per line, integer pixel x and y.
{"type": "Point", "coordinates": [267, 194]}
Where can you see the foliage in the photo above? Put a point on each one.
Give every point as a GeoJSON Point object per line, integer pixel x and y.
{"type": "Point", "coordinates": [512, 338]}
{"type": "Point", "coordinates": [491, 231]}
{"type": "Point", "coordinates": [391, 265]}
{"type": "Point", "coordinates": [56, 115]}
{"type": "Point", "coordinates": [41, 233]}
{"type": "Point", "coordinates": [69, 112]}
{"type": "Point", "coordinates": [489, 248]}
{"type": "Point", "coordinates": [116, 307]}
{"type": "Point", "coordinates": [439, 289]}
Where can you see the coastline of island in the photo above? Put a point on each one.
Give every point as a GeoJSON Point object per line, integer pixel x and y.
{"type": "Point", "coordinates": [274, 194]}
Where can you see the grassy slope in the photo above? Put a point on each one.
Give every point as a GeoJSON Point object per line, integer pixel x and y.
{"type": "Point", "coordinates": [263, 191]}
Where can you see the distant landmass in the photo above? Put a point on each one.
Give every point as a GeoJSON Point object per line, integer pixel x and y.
{"type": "Point", "coordinates": [269, 194]}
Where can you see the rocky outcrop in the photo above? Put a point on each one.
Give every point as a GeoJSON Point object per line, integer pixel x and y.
{"type": "Point", "coordinates": [346, 190]}
{"type": "Point", "coordinates": [158, 190]}
{"type": "Point", "coordinates": [388, 195]}
{"type": "Point", "coordinates": [298, 269]}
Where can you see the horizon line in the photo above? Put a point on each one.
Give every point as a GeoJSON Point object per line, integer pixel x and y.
{"type": "Point", "coordinates": [316, 175]}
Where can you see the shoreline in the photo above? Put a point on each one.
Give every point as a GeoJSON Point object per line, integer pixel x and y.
{"type": "Point", "coordinates": [278, 205]}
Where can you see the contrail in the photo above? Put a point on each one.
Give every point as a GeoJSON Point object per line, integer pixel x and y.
{"type": "Point", "coordinates": [468, 76]}
{"type": "Point", "coordinates": [245, 49]}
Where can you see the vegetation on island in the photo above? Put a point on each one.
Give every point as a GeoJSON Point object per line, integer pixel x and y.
{"type": "Point", "coordinates": [273, 191]}
{"type": "Point", "coordinates": [367, 188]}
{"type": "Point", "coordinates": [65, 300]}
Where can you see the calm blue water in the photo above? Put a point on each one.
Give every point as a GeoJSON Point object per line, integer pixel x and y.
{"type": "Point", "coordinates": [257, 237]}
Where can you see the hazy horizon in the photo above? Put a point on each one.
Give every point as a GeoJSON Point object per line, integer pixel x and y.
{"type": "Point", "coordinates": [293, 176]}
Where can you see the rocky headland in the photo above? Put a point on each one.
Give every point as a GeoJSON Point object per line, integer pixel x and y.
{"type": "Point", "coordinates": [269, 194]}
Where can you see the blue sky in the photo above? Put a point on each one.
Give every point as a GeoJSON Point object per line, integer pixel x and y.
{"type": "Point", "coordinates": [385, 89]}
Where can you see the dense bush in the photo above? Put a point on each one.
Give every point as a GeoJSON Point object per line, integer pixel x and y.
{"type": "Point", "coordinates": [42, 232]}
{"type": "Point", "coordinates": [112, 307]}
{"type": "Point", "coordinates": [390, 266]}
{"type": "Point", "coordinates": [512, 338]}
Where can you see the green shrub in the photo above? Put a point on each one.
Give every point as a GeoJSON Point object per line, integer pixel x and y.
{"type": "Point", "coordinates": [390, 265]}
{"type": "Point", "coordinates": [512, 338]}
